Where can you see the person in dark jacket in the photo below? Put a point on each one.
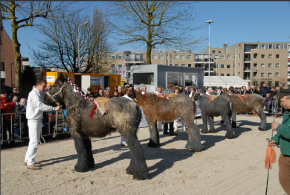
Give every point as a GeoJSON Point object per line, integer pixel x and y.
{"type": "Point", "coordinates": [131, 87]}
{"type": "Point", "coordinates": [20, 118]}
{"type": "Point", "coordinates": [90, 94]}
{"type": "Point", "coordinates": [14, 93]}
{"type": "Point", "coordinates": [264, 90]}
{"type": "Point", "coordinates": [186, 91]}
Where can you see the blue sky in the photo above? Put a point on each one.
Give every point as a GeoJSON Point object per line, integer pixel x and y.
{"type": "Point", "coordinates": [234, 21]}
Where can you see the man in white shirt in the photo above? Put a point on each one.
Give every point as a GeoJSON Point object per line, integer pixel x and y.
{"type": "Point", "coordinates": [34, 114]}
{"type": "Point", "coordinates": [209, 91]}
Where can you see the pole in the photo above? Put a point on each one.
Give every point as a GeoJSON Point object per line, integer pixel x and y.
{"type": "Point", "coordinates": [79, 49]}
{"type": "Point", "coordinates": [127, 72]}
{"type": "Point", "coordinates": [209, 55]}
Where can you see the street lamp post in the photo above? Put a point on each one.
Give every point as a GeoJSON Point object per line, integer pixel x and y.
{"type": "Point", "coordinates": [127, 53]}
{"type": "Point", "coordinates": [209, 21]}
{"type": "Point", "coordinates": [79, 44]}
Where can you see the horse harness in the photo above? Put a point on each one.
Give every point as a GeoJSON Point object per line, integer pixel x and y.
{"type": "Point", "coordinates": [56, 114]}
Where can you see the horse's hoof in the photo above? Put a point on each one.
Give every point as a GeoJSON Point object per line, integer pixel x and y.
{"type": "Point", "coordinates": [229, 135]}
{"type": "Point", "coordinates": [234, 125]}
{"type": "Point", "coordinates": [203, 131]}
{"type": "Point", "coordinates": [152, 144]}
{"type": "Point", "coordinates": [212, 131]}
{"type": "Point", "coordinates": [79, 168]}
{"type": "Point", "coordinates": [262, 129]}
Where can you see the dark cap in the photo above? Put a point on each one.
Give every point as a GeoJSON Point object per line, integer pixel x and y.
{"type": "Point", "coordinates": [89, 89]}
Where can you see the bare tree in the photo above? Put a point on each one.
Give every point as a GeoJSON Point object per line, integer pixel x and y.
{"type": "Point", "coordinates": [59, 48]}
{"type": "Point", "coordinates": [23, 14]}
{"type": "Point", "coordinates": [154, 23]}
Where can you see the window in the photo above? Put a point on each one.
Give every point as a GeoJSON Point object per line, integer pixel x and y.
{"type": "Point", "coordinates": [222, 57]}
{"type": "Point", "coordinates": [270, 56]}
{"type": "Point", "coordinates": [183, 65]}
{"type": "Point", "coordinates": [120, 56]}
{"type": "Point", "coordinates": [222, 74]}
{"type": "Point", "coordinates": [190, 79]}
{"type": "Point", "coordinates": [154, 57]}
{"type": "Point", "coordinates": [220, 51]}
{"type": "Point", "coordinates": [228, 66]}
{"type": "Point", "coordinates": [113, 56]}
{"type": "Point", "coordinates": [183, 57]}
{"type": "Point", "coordinates": [255, 55]}
{"type": "Point", "coordinates": [222, 66]}
{"type": "Point", "coordinates": [270, 46]}
{"type": "Point", "coordinates": [277, 65]}
{"type": "Point", "coordinates": [175, 56]}
{"type": "Point", "coordinates": [175, 78]}
{"type": "Point", "coordinates": [262, 74]}
{"type": "Point", "coordinates": [277, 55]}
{"type": "Point", "coordinates": [262, 65]}
{"type": "Point", "coordinates": [161, 57]}
{"type": "Point", "coordinates": [176, 64]}
{"type": "Point", "coordinates": [255, 64]}
{"type": "Point", "coordinates": [278, 46]}
{"type": "Point", "coordinates": [262, 55]}
{"type": "Point", "coordinates": [216, 56]}
{"type": "Point", "coordinates": [270, 65]}
{"type": "Point", "coordinates": [189, 57]}
{"type": "Point", "coordinates": [277, 74]}
{"type": "Point", "coordinates": [228, 74]}
{"type": "Point", "coordinates": [228, 57]}
{"type": "Point", "coordinates": [263, 46]}
{"type": "Point", "coordinates": [112, 65]}
{"type": "Point", "coordinates": [270, 74]}
{"type": "Point", "coordinates": [189, 65]}
{"type": "Point", "coordinates": [119, 65]}
{"type": "Point", "coordinates": [216, 66]}
{"type": "Point", "coordinates": [143, 78]}
{"type": "Point", "coordinates": [213, 51]}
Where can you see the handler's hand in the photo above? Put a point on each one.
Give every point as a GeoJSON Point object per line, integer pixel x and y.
{"type": "Point", "coordinates": [273, 143]}
{"type": "Point", "coordinates": [274, 126]}
{"type": "Point", "coordinates": [57, 108]}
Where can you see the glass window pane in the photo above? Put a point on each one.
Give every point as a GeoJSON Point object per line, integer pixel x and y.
{"type": "Point", "coordinates": [143, 78]}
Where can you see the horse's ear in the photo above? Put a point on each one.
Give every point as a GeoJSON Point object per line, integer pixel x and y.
{"type": "Point", "coordinates": [61, 78]}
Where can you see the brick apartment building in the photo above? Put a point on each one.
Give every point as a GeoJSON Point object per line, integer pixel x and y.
{"type": "Point", "coordinates": [255, 62]}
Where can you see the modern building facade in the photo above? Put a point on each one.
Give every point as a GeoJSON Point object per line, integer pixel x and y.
{"type": "Point", "coordinates": [255, 62]}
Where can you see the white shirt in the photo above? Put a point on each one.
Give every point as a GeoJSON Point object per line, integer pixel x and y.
{"type": "Point", "coordinates": [126, 96]}
{"type": "Point", "coordinates": [35, 105]}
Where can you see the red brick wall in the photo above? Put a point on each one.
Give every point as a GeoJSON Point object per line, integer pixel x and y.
{"type": "Point", "coordinates": [7, 56]}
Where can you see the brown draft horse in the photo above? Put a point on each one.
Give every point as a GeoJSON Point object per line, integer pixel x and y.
{"type": "Point", "coordinates": [167, 110]}
{"type": "Point", "coordinates": [251, 102]}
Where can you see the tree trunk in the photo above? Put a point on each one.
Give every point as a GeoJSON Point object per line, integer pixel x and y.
{"type": "Point", "coordinates": [16, 49]}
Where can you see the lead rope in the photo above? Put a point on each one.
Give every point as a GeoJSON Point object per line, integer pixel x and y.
{"type": "Point", "coordinates": [269, 143]}
{"type": "Point", "coordinates": [55, 127]}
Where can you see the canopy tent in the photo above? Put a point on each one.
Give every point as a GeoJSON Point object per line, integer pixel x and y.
{"type": "Point", "coordinates": [225, 81]}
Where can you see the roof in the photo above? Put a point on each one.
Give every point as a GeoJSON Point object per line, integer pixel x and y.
{"type": "Point", "coordinates": [227, 81]}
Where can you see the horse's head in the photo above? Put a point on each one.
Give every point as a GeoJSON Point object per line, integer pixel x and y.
{"type": "Point", "coordinates": [55, 95]}
{"type": "Point", "coordinates": [195, 96]}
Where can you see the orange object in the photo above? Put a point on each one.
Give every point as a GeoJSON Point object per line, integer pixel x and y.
{"type": "Point", "coordinates": [270, 157]}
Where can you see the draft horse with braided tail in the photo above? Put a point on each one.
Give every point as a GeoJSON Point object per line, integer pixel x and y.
{"type": "Point", "coordinates": [219, 106]}
{"type": "Point", "coordinates": [121, 114]}
{"type": "Point", "coordinates": [166, 110]}
{"type": "Point", "coordinates": [249, 102]}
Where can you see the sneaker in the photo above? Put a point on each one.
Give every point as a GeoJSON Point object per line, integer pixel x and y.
{"type": "Point", "coordinates": [33, 167]}
{"type": "Point", "coordinates": [124, 144]}
{"type": "Point", "coordinates": [36, 163]}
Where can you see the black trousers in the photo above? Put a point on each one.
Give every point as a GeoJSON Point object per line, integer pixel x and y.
{"type": "Point", "coordinates": [165, 128]}
{"type": "Point", "coordinates": [7, 126]}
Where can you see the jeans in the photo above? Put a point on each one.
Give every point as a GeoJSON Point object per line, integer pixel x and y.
{"type": "Point", "coordinates": [165, 128]}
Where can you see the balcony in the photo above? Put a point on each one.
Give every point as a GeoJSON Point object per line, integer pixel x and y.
{"type": "Point", "coordinates": [203, 60]}
{"type": "Point", "coordinates": [247, 78]}
{"type": "Point", "coordinates": [247, 50]}
{"type": "Point", "coordinates": [247, 69]}
{"type": "Point", "coordinates": [247, 59]}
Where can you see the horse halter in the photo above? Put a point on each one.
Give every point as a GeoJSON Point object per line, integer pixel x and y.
{"type": "Point", "coordinates": [52, 96]}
